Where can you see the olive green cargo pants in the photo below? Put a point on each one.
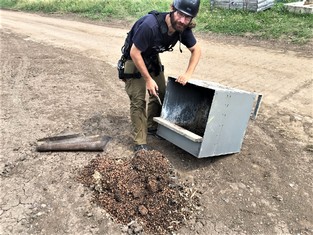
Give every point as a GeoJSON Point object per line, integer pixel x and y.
{"type": "Point", "coordinates": [141, 118]}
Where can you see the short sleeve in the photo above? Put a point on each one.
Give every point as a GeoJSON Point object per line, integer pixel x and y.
{"type": "Point", "coordinates": [143, 37]}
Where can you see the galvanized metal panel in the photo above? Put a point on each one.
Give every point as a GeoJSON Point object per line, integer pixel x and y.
{"type": "Point", "coordinates": [179, 140]}
{"type": "Point", "coordinates": [179, 130]}
{"type": "Point", "coordinates": [227, 123]}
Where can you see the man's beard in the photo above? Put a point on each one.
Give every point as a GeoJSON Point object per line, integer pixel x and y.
{"type": "Point", "coordinates": [177, 26]}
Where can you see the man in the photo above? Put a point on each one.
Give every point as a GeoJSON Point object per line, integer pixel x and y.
{"type": "Point", "coordinates": [153, 34]}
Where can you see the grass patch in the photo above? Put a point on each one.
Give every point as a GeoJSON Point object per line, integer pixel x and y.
{"type": "Point", "coordinates": [275, 23]}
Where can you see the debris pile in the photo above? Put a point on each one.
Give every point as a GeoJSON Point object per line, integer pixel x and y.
{"type": "Point", "coordinates": [144, 189]}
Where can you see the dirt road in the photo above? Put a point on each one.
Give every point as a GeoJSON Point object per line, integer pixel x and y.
{"type": "Point", "coordinates": [59, 75]}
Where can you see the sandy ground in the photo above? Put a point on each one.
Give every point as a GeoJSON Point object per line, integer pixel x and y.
{"type": "Point", "coordinates": [58, 75]}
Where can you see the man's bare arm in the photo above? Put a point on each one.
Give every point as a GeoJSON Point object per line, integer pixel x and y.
{"type": "Point", "coordinates": [193, 62]}
{"type": "Point", "coordinates": [136, 56]}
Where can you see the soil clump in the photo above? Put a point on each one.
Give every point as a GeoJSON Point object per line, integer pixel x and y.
{"type": "Point", "coordinates": [142, 190]}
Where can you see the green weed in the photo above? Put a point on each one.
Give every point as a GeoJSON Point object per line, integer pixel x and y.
{"type": "Point", "coordinates": [275, 23]}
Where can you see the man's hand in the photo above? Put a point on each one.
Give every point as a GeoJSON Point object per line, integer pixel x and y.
{"type": "Point", "coordinates": [183, 79]}
{"type": "Point", "coordinates": [152, 87]}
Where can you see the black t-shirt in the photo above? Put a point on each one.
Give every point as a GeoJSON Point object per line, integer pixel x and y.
{"type": "Point", "coordinates": [146, 35]}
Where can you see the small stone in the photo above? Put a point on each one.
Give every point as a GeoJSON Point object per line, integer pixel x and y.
{"type": "Point", "coordinates": [143, 210]}
{"type": "Point", "coordinates": [118, 196]}
{"type": "Point", "coordinates": [152, 186]}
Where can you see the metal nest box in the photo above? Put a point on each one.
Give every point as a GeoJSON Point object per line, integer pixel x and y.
{"type": "Point", "coordinates": [204, 118]}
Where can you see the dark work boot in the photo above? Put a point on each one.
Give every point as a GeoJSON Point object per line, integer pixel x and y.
{"type": "Point", "coordinates": [153, 132]}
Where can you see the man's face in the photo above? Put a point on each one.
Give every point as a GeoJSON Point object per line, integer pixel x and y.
{"type": "Point", "coordinates": [180, 21]}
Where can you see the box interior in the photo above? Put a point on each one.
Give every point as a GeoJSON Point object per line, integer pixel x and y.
{"type": "Point", "coordinates": [187, 106]}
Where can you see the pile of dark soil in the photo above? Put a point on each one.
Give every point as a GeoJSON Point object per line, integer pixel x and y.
{"type": "Point", "coordinates": [143, 190]}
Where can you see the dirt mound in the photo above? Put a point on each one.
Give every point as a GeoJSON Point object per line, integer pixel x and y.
{"type": "Point", "coordinates": [142, 190]}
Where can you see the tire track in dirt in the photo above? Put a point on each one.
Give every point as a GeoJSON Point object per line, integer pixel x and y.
{"type": "Point", "coordinates": [306, 85]}
{"type": "Point", "coordinates": [14, 96]}
{"type": "Point", "coordinates": [14, 79]}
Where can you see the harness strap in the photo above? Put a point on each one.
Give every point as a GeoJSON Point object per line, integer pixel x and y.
{"type": "Point", "coordinates": [163, 28]}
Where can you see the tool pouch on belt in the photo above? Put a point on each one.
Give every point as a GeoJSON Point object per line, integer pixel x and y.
{"type": "Point", "coordinates": [121, 67]}
{"type": "Point", "coordinates": [127, 69]}
{"type": "Point", "coordinates": [130, 70]}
